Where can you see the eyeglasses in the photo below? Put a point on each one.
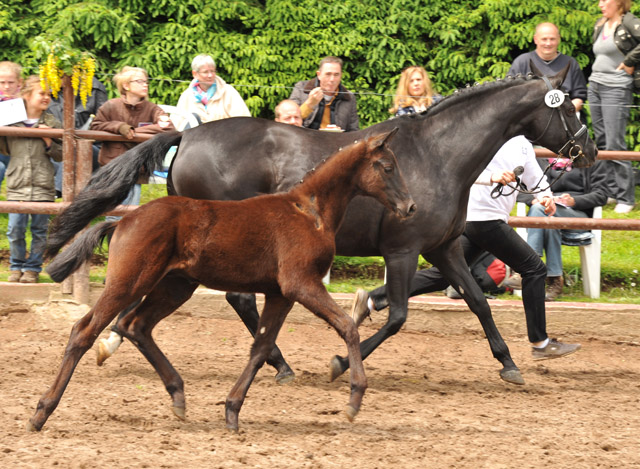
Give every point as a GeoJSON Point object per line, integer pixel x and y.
{"type": "Point", "coordinates": [207, 73]}
{"type": "Point", "coordinates": [140, 82]}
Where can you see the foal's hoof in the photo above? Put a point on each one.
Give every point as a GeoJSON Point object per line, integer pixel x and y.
{"type": "Point", "coordinates": [351, 413]}
{"type": "Point", "coordinates": [285, 377]}
{"type": "Point", "coordinates": [179, 412]}
{"type": "Point", "coordinates": [335, 368]}
{"type": "Point", "coordinates": [512, 376]}
{"type": "Point", "coordinates": [31, 427]}
{"type": "Point", "coordinates": [101, 353]}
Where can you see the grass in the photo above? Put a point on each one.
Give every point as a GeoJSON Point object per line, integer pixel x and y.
{"type": "Point", "coordinates": [620, 255]}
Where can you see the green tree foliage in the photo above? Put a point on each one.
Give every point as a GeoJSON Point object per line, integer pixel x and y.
{"type": "Point", "coordinates": [264, 47]}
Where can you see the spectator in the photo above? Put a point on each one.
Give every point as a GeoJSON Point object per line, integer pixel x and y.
{"type": "Point", "coordinates": [487, 230]}
{"type": "Point", "coordinates": [324, 102]}
{"type": "Point", "coordinates": [129, 115]}
{"type": "Point", "coordinates": [616, 46]}
{"type": "Point", "coordinates": [550, 62]}
{"type": "Point", "coordinates": [10, 79]}
{"type": "Point", "coordinates": [30, 179]}
{"type": "Point", "coordinates": [288, 112]}
{"type": "Point", "coordinates": [208, 96]}
{"type": "Point", "coordinates": [83, 117]}
{"type": "Point", "coordinates": [576, 194]}
{"type": "Point", "coordinates": [415, 92]}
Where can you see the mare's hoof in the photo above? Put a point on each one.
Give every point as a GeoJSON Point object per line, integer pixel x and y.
{"type": "Point", "coordinates": [512, 376]}
{"type": "Point", "coordinates": [179, 412]}
{"type": "Point", "coordinates": [285, 377]}
{"type": "Point", "coordinates": [31, 427]}
{"type": "Point", "coordinates": [351, 413]}
{"type": "Point", "coordinates": [335, 368]}
{"type": "Point", "coordinates": [232, 428]}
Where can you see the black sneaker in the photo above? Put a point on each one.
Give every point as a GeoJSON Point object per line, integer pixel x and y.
{"type": "Point", "coordinates": [554, 349]}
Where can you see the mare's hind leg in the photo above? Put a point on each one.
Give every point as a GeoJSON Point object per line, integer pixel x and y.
{"type": "Point", "coordinates": [245, 306]}
{"type": "Point", "coordinates": [170, 293]}
{"type": "Point", "coordinates": [83, 334]}
{"type": "Point", "coordinates": [274, 313]}
{"type": "Point", "coordinates": [400, 270]}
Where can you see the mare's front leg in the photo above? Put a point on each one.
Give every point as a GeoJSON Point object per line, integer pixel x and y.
{"type": "Point", "coordinates": [450, 261]}
{"type": "Point", "coordinates": [83, 335]}
{"type": "Point", "coordinates": [170, 293]}
{"type": "Point", "coordinates": [274, 313]}
{"type": "Point", "coordinates": [318, 301]}
{"type": "Point", "coordinates": [245, 306]}
{"type": "Point", "coordinates": [400, 270]}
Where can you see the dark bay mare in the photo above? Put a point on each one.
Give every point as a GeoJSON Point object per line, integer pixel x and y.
{"type": "Point", "coordinates": [441, 153]}
{"type": "Point", "coordinates": [278, 244]}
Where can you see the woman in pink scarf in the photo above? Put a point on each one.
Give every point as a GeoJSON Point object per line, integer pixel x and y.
{"type": "Point", "coordinates": [208, 96]}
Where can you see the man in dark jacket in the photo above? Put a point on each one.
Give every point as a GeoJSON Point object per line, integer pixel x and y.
{"type": "Point", "coordinates": [549, 61]}
{"type": "Point", "coordinates": [324, 102]}
{"type": "Point", "coordinates": [576, 193]}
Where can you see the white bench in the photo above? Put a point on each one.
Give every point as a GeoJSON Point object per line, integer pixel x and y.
{"type": "Point", "coordinates": [589, 254]}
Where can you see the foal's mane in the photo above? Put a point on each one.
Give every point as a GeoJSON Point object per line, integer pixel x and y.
{"type": "Point", "coordinates": [323, 161]}
{"type": "Point", "coordinates": [463, 94]}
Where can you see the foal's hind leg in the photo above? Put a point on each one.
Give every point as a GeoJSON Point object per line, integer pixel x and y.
{"type": "Point", "coordinates": [83, 335]}
{"type": "Point", "coordinates": [245, 306]}
{"type": "Point", "coordinates": [274, 313]}
{"type": "Point", "coordinates": [170, 293]}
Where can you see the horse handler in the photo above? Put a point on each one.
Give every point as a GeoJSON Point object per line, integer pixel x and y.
{"type": "Point", "coordinates": [487, 230]}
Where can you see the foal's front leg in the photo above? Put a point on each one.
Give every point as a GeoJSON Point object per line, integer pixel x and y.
{"type": "Point", "coordinates": [274, 313]}
{"type": "Point", "coordinates": [318, 301]}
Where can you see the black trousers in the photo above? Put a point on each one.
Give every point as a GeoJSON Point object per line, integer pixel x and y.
{"type": "Point", "coordinates": [498, 238]}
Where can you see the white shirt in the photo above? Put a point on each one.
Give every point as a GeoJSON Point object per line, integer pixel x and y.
{"type": "Point", "coordinates": [515, 152]}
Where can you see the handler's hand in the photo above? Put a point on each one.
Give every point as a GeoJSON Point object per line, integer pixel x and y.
{"type": "Point", "coordinates": [503, 177]}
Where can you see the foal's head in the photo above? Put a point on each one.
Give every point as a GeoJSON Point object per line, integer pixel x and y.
{"type": "Point", "coordinates": [381, 177]}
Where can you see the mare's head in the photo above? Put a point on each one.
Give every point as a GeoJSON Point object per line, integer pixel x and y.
{"type": "Point", "coordinates": [553, 123]}
{"type": "Point", "coordinates": [381, 178]}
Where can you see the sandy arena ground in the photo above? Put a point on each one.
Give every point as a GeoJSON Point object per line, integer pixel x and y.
{"type": "Point", "coordinates": [434, 400]}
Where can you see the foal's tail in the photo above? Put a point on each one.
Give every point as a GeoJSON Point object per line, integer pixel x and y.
{"type": "Point", "coordinates": [70, 260]}
{"type": "Point", "coordinates": [108, 187]}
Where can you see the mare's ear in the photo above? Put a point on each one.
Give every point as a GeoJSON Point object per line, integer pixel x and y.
{"type": "Point", "coordinates": [555, 80]}
{"type": "Point", "coordinates": [380, 139]}
{"type": "Point", "coordinates": [558, 79]}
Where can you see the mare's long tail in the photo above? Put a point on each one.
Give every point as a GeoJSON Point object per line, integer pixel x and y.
{"type": "Point", "coordinates": [107, 188]}
{"type": "Point", "coordinates": [70, 260]}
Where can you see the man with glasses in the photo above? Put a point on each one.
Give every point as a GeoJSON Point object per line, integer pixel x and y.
{"type": "Point", "coordinates": [208, 96]}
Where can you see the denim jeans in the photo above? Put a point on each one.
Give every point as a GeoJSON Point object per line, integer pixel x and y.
{"type": "Point", "coordinates": [4, 164]}
{"type": "Point", "coordinates": [609, 107]}
{"type": "Point", "coordinates": [498, 238]}
{"type": "Point", "coordinates": [549, 241]}
{"type": "Point", "coordinates": [16, 232]}
{"type": "Point", "coordinates": [132, 199]}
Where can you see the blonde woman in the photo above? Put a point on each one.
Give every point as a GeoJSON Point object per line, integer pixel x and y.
{"type": "Point", "coordinates": [129, 115]}
{"type": "Point", "coordinates": [415, 92]}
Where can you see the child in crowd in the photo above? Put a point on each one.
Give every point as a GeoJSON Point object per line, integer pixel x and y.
{"type": "Point", "coordinates": [10, 78]}
{"type": "Point", "coordinates": [30, 178]}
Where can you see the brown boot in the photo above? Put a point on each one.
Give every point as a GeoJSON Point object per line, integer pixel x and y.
{"type": "Point", "coordinates": [29, 276]}
{"type": "Point", "coordinates": [554, 288]}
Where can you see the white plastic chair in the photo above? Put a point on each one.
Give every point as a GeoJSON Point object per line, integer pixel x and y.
{"type": "Point", "coordinates": [589, 255]}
